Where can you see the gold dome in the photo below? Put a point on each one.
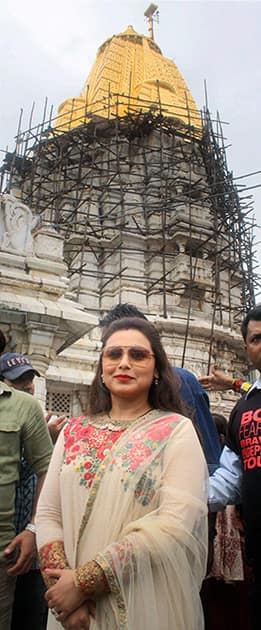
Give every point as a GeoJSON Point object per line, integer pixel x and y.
{"type": "Point", "coordinates": [130, 75]}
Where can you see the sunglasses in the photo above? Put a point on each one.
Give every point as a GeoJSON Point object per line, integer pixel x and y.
{"type": "Point", "coordinates": [136, 354]}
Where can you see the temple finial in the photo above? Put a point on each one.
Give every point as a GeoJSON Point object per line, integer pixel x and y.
{"type": "Point", "coordinates": [149, 13]}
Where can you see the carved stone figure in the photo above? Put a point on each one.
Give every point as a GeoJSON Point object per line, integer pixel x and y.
{"type": "Point", "coordinates": [16, 224]}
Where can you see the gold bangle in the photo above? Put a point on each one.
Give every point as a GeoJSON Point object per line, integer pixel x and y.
{"type": "Point", "coordinates": [90, 578]}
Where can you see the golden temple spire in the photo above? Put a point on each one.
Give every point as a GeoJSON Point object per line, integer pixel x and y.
{"type": "Point", "coordinates": [130, 75]}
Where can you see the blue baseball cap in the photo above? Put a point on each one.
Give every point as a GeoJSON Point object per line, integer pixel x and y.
{"type": "Point", "coordinates": [13, 365]}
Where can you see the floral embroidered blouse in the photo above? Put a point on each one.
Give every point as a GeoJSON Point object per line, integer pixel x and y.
{"type": "Point", "coordinates": [86, 445]}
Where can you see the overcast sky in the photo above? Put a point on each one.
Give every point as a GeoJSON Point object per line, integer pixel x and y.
{"type": "Point", "coordinates": [48, 48]}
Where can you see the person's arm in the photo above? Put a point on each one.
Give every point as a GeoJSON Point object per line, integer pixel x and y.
{"type": "Point", "coordinates": [49, 527]}
{"type": "Point", "coordinates": [37, 449]}
{"type": "Point", "coordinates": [50, 541]}
{"type": "Point", "coordinates": [55, 426]}
{"type": "Point", "coordinates": [225, 483]}
{"type": "Point", "coordinates": [25, 541]}
{"type": "Point", "coordinates": [219, 381]}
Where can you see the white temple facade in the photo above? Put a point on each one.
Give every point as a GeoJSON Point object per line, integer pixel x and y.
{"type": "Point", "coordinates": [125, 198]}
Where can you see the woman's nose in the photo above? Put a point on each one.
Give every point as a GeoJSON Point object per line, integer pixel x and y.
{"type": "Point", "coordinates": [124, 360]}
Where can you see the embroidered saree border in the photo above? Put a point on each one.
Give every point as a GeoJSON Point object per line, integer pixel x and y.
{"type": "Point", "coordinates": [115, 590]}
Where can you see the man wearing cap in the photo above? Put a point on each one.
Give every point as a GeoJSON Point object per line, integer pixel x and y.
{"type": "Point", "coordinates": [23, 430]}
{"type": "Point", "coordinates": [17, 371]}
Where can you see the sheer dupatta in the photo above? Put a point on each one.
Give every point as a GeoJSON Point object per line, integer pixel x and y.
{"type": "Point", "coordinates": [145, 524]}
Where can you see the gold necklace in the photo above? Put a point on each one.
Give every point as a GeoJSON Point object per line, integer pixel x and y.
{"type": "Point", "coordinates": [115, 424]}
{"type": "Point", "coordinates": [129, 420]}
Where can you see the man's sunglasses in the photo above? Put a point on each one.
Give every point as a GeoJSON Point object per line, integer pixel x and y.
{"type": "Point", "coordinates": [136, 354]}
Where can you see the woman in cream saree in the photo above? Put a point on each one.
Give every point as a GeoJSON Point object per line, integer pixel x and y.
{"type": "Point", "coordinates": [128, 501]}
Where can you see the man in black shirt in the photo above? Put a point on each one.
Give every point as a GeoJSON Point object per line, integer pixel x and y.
{"type": "Point", "coordinates": [239, 473]}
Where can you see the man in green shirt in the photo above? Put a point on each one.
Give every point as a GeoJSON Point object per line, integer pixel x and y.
{"type": "Point", "coordinates": [22, 429]}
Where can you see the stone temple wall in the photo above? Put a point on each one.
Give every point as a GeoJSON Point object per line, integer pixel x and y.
{"type": "Point", "coordinates": [147, 215]}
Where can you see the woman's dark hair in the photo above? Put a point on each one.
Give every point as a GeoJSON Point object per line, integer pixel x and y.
{"type": "Point", "coordinates": [119, 311]}
{"type": "Point", "coordinates": [164, 396]}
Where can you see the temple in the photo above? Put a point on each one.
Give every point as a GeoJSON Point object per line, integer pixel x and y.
{"type": "Point", "coordinates": [123, 196]}
{"type": "Point", "coordinates": [130, 75]}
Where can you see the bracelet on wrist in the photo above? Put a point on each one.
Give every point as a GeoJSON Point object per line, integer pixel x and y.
{"type": "Point", "coordinates": [91, 579]}
{"type": "Point", "coordinates": [237, 384]}
{"type": "Point", "coordinates": [30, 527]}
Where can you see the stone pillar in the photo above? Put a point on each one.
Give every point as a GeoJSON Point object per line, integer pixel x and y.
{"type": "Point", "coordinates": [40, 389]}
{"type": "Point", "coordinates": [40, 348]}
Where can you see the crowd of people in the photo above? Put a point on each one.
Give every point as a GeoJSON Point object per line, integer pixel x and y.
{"type": "Point", "coordinates": [126, 503]}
